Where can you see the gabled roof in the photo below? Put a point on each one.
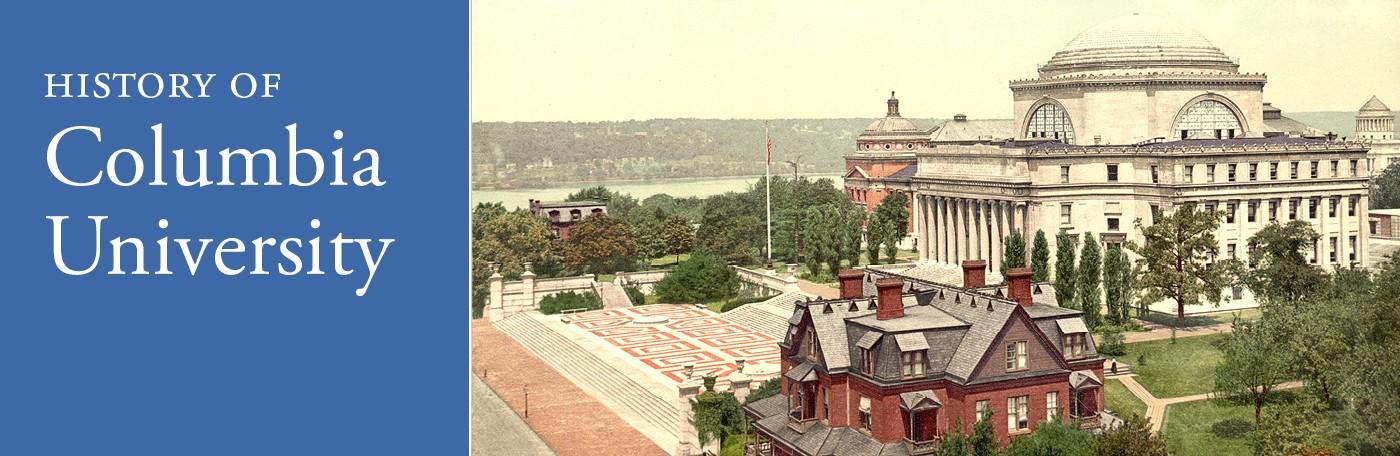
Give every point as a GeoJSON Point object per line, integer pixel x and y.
{"type": "Point", "coordinates": [919, 400]}
{"type": "Point", "coordinates": [856, 171]}
{"type": "Point", "coordinates": [905, 173]}
{"type": "Point", "coordinates": [1374, 104]}
{"type": "Point", "coordinates": [974, 130]}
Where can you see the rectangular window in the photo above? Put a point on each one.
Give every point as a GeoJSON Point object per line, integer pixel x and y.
{"type": "Point", "coordinates": [1249, 250]}
{"type": "Point", "coordinates": [1332, 207]}
{"type": "Point", "coordinates": [1293, 209]}
{"type": "Point", "coordinates": [1231, 176]}
{"type": "Point", "coordinates": [1210, 173]}
{"type": "Point", "coordinates": [1351, 207]}
{"type": "Point", "coordinates": [1186, 173]}
{"type": "Point", "coordinates": [1113, 223]}
{"type": "Point", "coordinates": [1073, 345]}
{"type": "Point", "coordinates": [1113, 173]}
{"type": "Point", "coordinates": [1153, 209]}
{"type": "Point", "coordinates": [1230, 250]}
{"type": "Point", "coordinates": [1351, 248]}
{"type": "Point", "coordinates": [1273, 171]}
{"type": "Point", "coordinates": [1335, 165]}
{"type": "Point", "coordinates": [912, 363]}
{"type": "Point", "coordinates": [1015, 355]}
{"type": "Point", "coordinates": [1252, 215]}
{"type": "Point", "coordinates": [1052, 404]}
{"type": "Point", "coordinates": [865, 413]}
{"type": "Point", "coordinates": [1018, 415]}
{"type": "Point", "coordinates": [984, 409]}
{"type": "Point", "coordinates": [1064, 174]}
{"type": "Point", "coordinates": [867, 362]}
{"type": "Point", "coordinates": [1312, 208]}
{"type": "Point", "coordinates": [1332, 249]}
{"type": "Point", "coordinates": [1312, 170]}
{"type": "Point", "coordinates": [1253, 171]}
{"type": "Point", "coordinates": [1064, 214]}
{"type": "Point", "coordinates": [1315, 246]}
{"type": "Point", "coordinates": [1273, 211]}
{"type": "Point", "coordinates": [1230, 213]}
{"type": "Point", "coordinates": [1353, 168]}
{"type": "Point", "coordinates": [1293, 170]}
{"type": "Point", "coordinates": [1237, 293]}
{"type": "Point", "coordinates": [1154, 174]}
{"type": "Point", "coordinates": [1210, 208]}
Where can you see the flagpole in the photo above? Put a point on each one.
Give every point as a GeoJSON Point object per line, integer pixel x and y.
{"type": "Point", "coordinates": [768, 191]}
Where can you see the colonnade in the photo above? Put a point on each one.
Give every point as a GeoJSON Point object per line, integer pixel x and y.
{"type": "Point", "coordinates": [957, 228]}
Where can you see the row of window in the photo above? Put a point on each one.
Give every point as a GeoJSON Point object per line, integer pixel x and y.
{"type": "Point", "coordinates": [1232, 171]}
{"type": "Point", "coordinates": [1231, 213]}
{"type": "Point", "coordinates": [1230, 251]}
{"type": "Point", "coordinates": [887, 146]}
{"type": "Point", "coordinates": [1018, 414]}
{"type": "Point", "coordinates": [1204, 119]}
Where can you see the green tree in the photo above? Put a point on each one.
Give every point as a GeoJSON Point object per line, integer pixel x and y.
{"type": "Point", "coordinates": [1064, 271]}
{"type": "Point", "coordinates": [511, 239]}
{"type": "Point", "coordinates": [569, 300]}
{"type": "Point", "coordinates": [1013, 253]}
{"type": "Point", "coordinates": [1117, 295]}
{"type": "Point", "coordinates": [852, 229]}
{"type": "Point", "coordinates": [891, 223]}
{"type": "Point", "coordinates": [648, 223]}
{"type": "Point", "coordinates": [1281, 274]}
{"type": "Point", "coordinates": [698, 279]}
{"type": "Point", "coordinates": [483, 213]}
{"type": "Point", "coordinates": [1385, 191]}
{"type": "Point", "coordinates": [1054, 438]}
{"type": "Point", "coordinates": [768, 388]}
{"type": "Point", "coordinates": [1089, 278]}
{"type": "Point", "coordinates": [678, 236]}
{"type": "Point", "coordinates": [1296, 427]}
{"type": "Point", "coordinates": [1371, 378]}
{"type": "Point", "coordinates": [956, 441]}
{"type": "Point", "coordinates": [728, 231]}
{"type": "Point", "coordinates": [619, 204]}
{"type": "Point", "coordinates": [822, 238]}
{"type": "Point", "coordinates": [984, 440]}
{"type": "Point", "coordinates": [1252, 366]}
{"type": "Point", "coordinates": [1133, 438]}
{"type": "Point", "coordinates": [1176, 261]}
{"type": "Point", "coordinates": [600, 244]}
{"type": "Point", "coordinates": [1040, 258]}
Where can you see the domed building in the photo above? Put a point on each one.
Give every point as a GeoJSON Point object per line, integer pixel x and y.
{"type": "Point", "coordinates": [1135, 116]}
{"type": "Point", "coordinates": [1376, 123]}
{"type": "Point", "coordinates": [884, 160]}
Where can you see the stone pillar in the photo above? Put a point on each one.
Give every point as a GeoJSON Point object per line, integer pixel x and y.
{"type": "Point", "coordinates": [739, 383]}
{"type": "Point", "coordinates": [688, 438]}
{"type": "Point", "coordinates": [942, 236]}
{"type": "Point", "coordinates": [496, 308]}
{"type": "Point", "coordinates": [527, 284]}
{"type": "Point", "coordinates": [961, 239]}
{"type": "Point", "coordinates": [977, 226]}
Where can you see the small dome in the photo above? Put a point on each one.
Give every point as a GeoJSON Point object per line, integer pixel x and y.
{"type": "Point", "coordinates": [1138, 44]}
{"type": "Point", "coordinates": [893, 126]}
{"type": "Point", "coordinates": [1375, 105]}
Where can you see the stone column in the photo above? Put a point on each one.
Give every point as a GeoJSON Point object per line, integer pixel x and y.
{"type": "Point", "coordinates": [921, 227]}
{"type": "Point", "coordinates": [739, 383]}
{"type": "Point", "coordinates": [959, 231]}
{"type": "Point", "coordinates": [496, 308]}
{"type": "Point", "coordinates": [527, 283]}
{"type": "Point", "coordinates": [943, 228]}
{"type": "Point", "coordinates": [688, 438]}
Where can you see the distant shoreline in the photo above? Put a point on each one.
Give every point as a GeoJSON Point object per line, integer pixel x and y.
{"type": "Point", "coordinates": [642, 181]}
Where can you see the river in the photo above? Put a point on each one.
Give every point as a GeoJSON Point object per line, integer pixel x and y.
{"type": "Point", "coordinates": [680, 188]}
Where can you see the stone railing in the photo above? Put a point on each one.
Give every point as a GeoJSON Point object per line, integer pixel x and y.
{"type": "Point", "coordinates": [768, 280]}
{"type": "Point", "coordinates": [643, 280]}
{"type": "Point", "coordinates": [510, 298]}
{"type": "Point", "coordinates": [924, 447]}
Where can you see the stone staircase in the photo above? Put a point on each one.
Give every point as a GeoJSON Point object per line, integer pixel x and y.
{"type": "Point", "coordinates": [768, 317]}
{"type": "Point", "coordinates": [613, 296]}
{"type": "Point", "coordinates": [640, 400]}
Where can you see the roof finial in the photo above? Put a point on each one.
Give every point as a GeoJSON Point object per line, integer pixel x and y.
{"type": "Point", "coordinates": [893, 105]}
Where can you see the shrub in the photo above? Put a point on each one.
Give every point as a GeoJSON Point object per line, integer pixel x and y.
{"type": "Point", "coordinates": [698, 279]}
{"type": "Point", "coordinates": [568, 301]}
{"type": "Point", "coordinates": [738, 302]}
{"type": "Point", "coordinates": [1113, 345]}
{"type": "Point", "coordinates": [635, 295]}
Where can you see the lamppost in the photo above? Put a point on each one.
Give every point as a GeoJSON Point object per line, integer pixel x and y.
{"type": "Point", "coordinates": [796, 216]}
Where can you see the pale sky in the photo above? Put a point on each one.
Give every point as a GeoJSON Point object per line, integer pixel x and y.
{"type": "Point", "coordinates": [536, 60]}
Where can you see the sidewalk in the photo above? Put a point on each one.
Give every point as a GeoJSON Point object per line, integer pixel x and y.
{"type": "Point", "coordinates": [570, 420]}
{"type": "Point", "coordinates": [1157, 408]}
{"type": "Point", "coordinates": [496, 429]}
{"type": "Point", "coordinates": [823, 291]}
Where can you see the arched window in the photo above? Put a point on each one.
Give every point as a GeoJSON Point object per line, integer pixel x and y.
{"type": "Point", "coordinates": [1050, 121]}
{"type": "Point", "coordinates": [1208, 119]}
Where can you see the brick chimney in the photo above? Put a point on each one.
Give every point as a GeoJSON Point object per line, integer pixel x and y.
{"type": "Point", "coordinates": [891, 302]}
{"type": "Point", "coordinates": [850, 283]}
{"type": "Point", "coordinates": [1019, 288]}
{"type": "Point", "coordinates": [974, 273]}
{"type": "Point", "coordinates": [535, 207]}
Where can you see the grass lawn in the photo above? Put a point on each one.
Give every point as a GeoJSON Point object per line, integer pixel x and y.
{"type": "Point", "coordinates": [668, 261]}
{"type": "Point", "coordinates": [1202, 320]}
{"type": "Point", "coordinates": [1209, 427]}
{"type": "Point", "coordinates": [604, 277]}
{"type": "Point", "coordinates": [1122, 401]}
{"type": "Point", "coordinates": [733, 445]}
{"type": "Point", "coordinates": [1181, 369]}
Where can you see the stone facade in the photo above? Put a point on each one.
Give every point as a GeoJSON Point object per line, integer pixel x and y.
{"type": "Point", "coordinates": [562, 215]}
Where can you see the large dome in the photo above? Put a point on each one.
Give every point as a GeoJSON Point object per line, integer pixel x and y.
{"type": "Point", "coordinates": [1138, 44]}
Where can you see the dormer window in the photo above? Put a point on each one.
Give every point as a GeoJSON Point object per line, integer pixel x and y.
{"type": "Point", "coordinates": [1074, 345]}
{"type": "Point", "coordinates": [867, 362]}
{"type": "Point", "coordinates": [1074, 342]}
{"type": "Point", "coordinates": [1016, 356]}
{"type": "Point", "coordinates": [913, 362]}
{"type": "Point", "coordinates": [809, 345]}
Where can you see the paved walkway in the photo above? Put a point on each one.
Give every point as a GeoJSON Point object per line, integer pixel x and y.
{"type": "Point", "coordinates": [1159, 332]}
{"type": "Point", "coordinates": [569, 420]}
{"type": "Point", "coordinates": [496, 429]}
{"type": "Point", "coordinates": [613, 296]}
{"type": "Point", "coordinates": [1157, 408]}
{"type": "Point", "coordinates": [821, 290]}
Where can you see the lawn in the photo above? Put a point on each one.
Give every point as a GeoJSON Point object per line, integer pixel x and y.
{"type": "Point", "coordinates": [1202, 320]}
{"type": "Point", "coordinates": [1122, 401]}
{"type": "Point", "coordinates": [1181, 369]}
{"type": "Point", "coordinates": [1216, 427]}
{"type": "Point", "coordinates": [668, 261]}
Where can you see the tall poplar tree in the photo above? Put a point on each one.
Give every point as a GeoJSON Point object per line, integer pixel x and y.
{"type": "Point", "coordinates": [1115, 284]}
{"type": "Point", "coordinates": [1040, 258]}
{"type": "Point", "coordinates": [1064, 271]}
{"type": "Point", "coordinates": [1013, 253]}
{"type": "Point", "coordinates": [1177, 261]}
{"type": "Point", "coordinates": [1088, 278]}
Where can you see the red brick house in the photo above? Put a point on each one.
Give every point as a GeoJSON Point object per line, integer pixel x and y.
{"type": "Point", "coordinates": [896, 361]}
{"type": "Point", "coordinates": [884, 161]}
{"type": "Point", "coordinates": [562, 215]}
